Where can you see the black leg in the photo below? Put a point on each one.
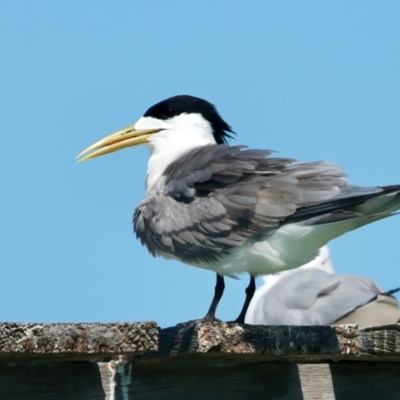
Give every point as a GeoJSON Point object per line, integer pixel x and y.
{"type": "Point", "coordinates": [249, 295]}
{"type": "Point", "coordinates": [219, 290]}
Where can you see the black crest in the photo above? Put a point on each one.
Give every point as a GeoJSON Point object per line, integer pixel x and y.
{"type": "Point", "coordinates": [177, 105]}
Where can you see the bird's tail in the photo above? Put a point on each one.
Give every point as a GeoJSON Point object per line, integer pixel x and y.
{"type": "Point", "coordinates": [392, 291]}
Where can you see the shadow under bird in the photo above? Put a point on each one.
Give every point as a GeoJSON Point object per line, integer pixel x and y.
{"type": "Point", "coordinates": [230, 209]}
{"type": "Point", "coordinates": [314, 295]}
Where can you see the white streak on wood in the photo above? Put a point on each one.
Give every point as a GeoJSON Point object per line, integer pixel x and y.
{"type": "Point", "coordinates": [108, 371]}
{"type": "Point", "coordinates": [125, 378]}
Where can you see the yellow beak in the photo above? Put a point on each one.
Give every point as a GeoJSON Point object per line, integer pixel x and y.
{"type": "Point", "coordinates": [116, 141]}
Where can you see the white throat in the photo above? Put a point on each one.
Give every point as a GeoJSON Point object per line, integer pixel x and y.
{"type": "Point", "coordinates": [179, 135]}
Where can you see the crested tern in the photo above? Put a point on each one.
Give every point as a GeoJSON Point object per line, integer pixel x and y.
{"type": "Point", "coordinates": [231, 209]}
{"type": "Point", "coordinates": [314, 295]}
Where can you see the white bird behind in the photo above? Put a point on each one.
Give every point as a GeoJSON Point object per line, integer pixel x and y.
{"type": "Point", "coordinates": [314, 295]}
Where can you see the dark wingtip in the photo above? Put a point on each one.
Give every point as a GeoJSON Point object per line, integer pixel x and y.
{"type": "Point", "coordinates": [390, 292]}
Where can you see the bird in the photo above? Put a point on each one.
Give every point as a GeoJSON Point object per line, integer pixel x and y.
{"type": "Point", "coordinates": [314, 295]}
{"type": "Point", "coordinates": [231, 209]}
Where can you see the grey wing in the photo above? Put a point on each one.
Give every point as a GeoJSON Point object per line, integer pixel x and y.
{"type": "Point", "coordinates": [217, 197]}
{"type": "Point", "coordinates": [382, 310]}
{"type": "Point", "coordinates": [311, 297]}
{"type": "Point", "coordinates": [351, 293]}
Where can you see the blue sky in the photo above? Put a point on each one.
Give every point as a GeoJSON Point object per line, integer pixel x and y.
{"type": "Point", "coordinates": [312, 80]}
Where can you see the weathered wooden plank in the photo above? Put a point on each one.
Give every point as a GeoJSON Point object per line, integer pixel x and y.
{"type": "Point", "coordinates": [316, 381]}
{"type": "Point", "coordinates": [50, 381]}
{"type": "Point", "coordinates": [211, 380]}
{"type": "Point", "coordinates": [216, 377]}
{"type": "Point", "coordinates": [66, 341]}
{"type": "Point", "coordinates": [200, 377]}
{"type": "Point", "coordinates": [366, 381]}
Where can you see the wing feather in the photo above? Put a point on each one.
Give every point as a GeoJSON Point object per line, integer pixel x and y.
{"type": "Point", "coordinates": [217, 197]}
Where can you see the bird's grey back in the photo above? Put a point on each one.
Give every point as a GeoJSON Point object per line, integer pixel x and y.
{"type": "Point", "coordinates": [218, 197]}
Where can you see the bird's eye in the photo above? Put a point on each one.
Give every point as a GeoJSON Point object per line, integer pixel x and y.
{"type": "Point", "coordinates": [168, 113]}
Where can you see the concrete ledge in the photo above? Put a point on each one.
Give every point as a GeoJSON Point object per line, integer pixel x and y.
{"type": "Point", "coordinates": [342, 342]}
{"type": "Point", "coordinates": [76, 341]}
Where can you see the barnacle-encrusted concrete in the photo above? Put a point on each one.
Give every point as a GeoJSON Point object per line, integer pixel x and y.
{"type": "Point", "coordinates": [77, 340]}
{"type": "Point", "coordinates": [88, 341]}
{"type": "Point", "coordinates": [342, 342]}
